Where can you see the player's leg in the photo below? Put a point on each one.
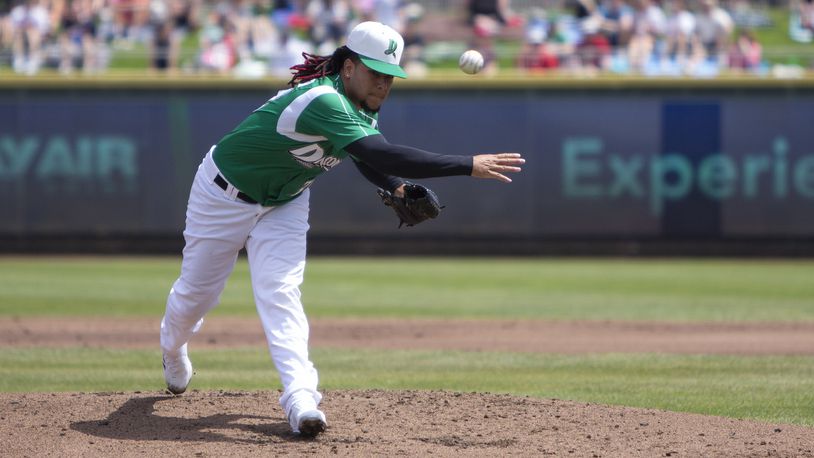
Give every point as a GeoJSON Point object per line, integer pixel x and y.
{"type": "Point", "coordinates": [216, 230]}
{"type": "Point", "coordinates": [276, 249]}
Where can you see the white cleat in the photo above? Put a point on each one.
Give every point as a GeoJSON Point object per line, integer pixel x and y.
{"type": "Point", "coordinates": [177, 372]}
{"type": "Point", "coordinates": [308, 423]}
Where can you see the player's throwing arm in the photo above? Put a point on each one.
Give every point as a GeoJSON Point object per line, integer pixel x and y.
{"type": "Point", "coordinates": [495, 165]}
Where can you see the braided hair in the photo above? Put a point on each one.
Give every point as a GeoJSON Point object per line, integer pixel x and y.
{"type": "Point", "coordinates": [319, 66]}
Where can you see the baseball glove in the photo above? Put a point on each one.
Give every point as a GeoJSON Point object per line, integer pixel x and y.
{"type": "Point", "coordinates": [418, 204]}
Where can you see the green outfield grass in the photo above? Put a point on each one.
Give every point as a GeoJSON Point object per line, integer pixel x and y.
{"type": "Point", "coordinates": [769, 388]}
{"type": "Point", "coordinates": [597, 289]}
{"type": "Point", "coordinates": [776, 389]}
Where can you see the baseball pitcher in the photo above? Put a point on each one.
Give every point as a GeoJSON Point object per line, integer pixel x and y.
{"type": "Point", "coordinates": [252, 188]}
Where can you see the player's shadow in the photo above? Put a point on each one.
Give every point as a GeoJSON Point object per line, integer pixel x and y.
{"type": "Point", "coordinates": [136, 419]}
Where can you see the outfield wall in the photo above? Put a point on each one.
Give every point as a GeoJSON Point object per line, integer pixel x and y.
{"type": "Point", "coordinates": [631, 162]}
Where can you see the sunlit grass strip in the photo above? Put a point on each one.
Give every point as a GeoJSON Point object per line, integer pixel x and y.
{"type": "Point", "coordinates": [774, 389]}
{"type": "Point", "coordinates": [572, 289]}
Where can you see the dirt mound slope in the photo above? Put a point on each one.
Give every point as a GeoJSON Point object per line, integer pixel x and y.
{"type": "Point", "coordinates": [372, 422]}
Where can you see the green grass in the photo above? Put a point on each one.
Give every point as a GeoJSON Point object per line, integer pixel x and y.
{"type": "Point", "coordinates": [776, 389]}
{"type": "Point", "coordinates": [596, 289]}
{"type": "Point", "coordinates": [137, 55]}
{"type": "Point", "coordinates": [778, 47]}
{"type": "Point", "coordinates": [770, 389]}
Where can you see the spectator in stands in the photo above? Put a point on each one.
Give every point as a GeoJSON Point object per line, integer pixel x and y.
{"type": "Point", "coordinates": [749, 14]}
{"type": "Point", "coordinates": [680, 39]}
{"type": "Point", "coordinates": [801, 20]}
{"type": "Point", "coordinates": [745, 53]}
{"type": "Point", "coordinates": [265, 37]}
{"type": "Point", "coordinates": [807, 14]}
{"type": "Point", "coordinates": [56, 9]}
{"type": "Point", "coordinates": [241, 15]}
{"type": "Point", "coordinates": [328, 23]}
{"type": "Point", "coordinates": [387, 12]}
{"type": "Point", "coordinates": [184, 16]}
{"type": "Point", "coordinates": [6, 28]}
{"type": "Point", "coordinates": [217, 43]}
{"type": "Point", "coordinates": [585, 16]}
{"type": "Point", "coordinates": [163, 48]}
{"type": "Point", "coordinates": [78, 38]}
{"type": "Point", "coordinates": [562, 42]}
{"type": "Point", "coordinates": [132, 19]}
{"type": "Point", "coordinates": [293, 41]}
{"type": "Point", "coordinates": [280, 10]}
{"type": "Point", "coordinates": [593, 51]}
{"type": "Point", "coordinates": [536, 55]}
{"type": "Point", "coordinates": [493, 15]}
{"type": "Point", "coordinates": [105, 28]}
{"type": "Point", "coordinates": [363, 10]}
{"type": "Point", "coordinates": [496, 10]}
{"type": "Point", "coordinates": [713, 27]}
{"type": "Point", "coordinates": [583, 9]}
{"type": "Point", "coordinates": [617, 22]}
{"type": "Point", "coordinates": [412, 60]}
{"type": "Point", "coordinates": [648, 29]}
{"type": "Point", "coordinates": [487, 18]}
{"type": "Point", "coordinates": [30, 24]}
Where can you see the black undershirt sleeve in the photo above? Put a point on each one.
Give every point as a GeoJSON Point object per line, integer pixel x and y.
{"type": "Point", "coordinates": [384, 181]}
{"type": "Point", "coordinates": [406, 161]}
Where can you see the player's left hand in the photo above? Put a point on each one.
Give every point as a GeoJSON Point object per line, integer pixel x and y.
{"type": "Point", "coordinates": [495, 165]}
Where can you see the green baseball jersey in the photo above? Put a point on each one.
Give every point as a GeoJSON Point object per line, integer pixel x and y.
{"type": "Point", "coordinates": [278, 151]}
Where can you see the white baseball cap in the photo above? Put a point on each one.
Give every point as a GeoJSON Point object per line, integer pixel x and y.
{"type": "Point", "coordinates": [378, 46]}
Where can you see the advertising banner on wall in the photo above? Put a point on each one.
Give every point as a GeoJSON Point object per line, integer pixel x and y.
{"type": "Point", "coordinates": [599, 163]}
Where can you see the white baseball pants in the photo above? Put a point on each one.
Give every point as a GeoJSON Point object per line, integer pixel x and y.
{"type": "Point", "coordinates": [218, 225]}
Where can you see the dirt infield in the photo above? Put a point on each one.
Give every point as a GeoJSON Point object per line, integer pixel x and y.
{"type": "Point", "coordinates": [387, 423]}
{"type": "Point", "coordinates": [373, 423]}
{"type": "Point", "coordinates": [570, 337]}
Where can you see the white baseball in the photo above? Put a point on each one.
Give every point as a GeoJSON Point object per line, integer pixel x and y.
{"type": "Point", "coordinates": [471, 62]}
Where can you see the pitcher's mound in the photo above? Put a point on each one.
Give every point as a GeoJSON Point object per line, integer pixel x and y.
{"type": "Point", "coordinates": [372, 422]}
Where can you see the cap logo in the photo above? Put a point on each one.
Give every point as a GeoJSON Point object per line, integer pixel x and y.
{"type": "Point", "coordinates": [392, 48]}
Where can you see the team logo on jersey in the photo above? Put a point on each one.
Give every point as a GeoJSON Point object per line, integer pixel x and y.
{"type": "Point", "coordinates": [310, 156]}
{"type": "Point", "coordinates": [392, 48]}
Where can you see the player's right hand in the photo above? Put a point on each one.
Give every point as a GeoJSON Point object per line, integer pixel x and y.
{"type": "Point", "coordinates": [495, 165]}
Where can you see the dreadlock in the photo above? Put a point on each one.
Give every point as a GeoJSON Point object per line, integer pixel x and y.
{"type": "Point", "coordinates": [319, 66]}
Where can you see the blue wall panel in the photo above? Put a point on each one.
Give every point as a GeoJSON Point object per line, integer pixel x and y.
{"type": "Point", "coordinates": [601, 163]}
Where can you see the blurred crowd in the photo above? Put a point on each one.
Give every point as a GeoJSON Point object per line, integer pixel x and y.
{"type": "Point", "coordinates": [650, 37]}
{"type": "Point", "coordinates": [246, 37]}
{"type": "Point", "coordinates": [70, 35]}
{"type": "Point", "coordinates": [261, 37]}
